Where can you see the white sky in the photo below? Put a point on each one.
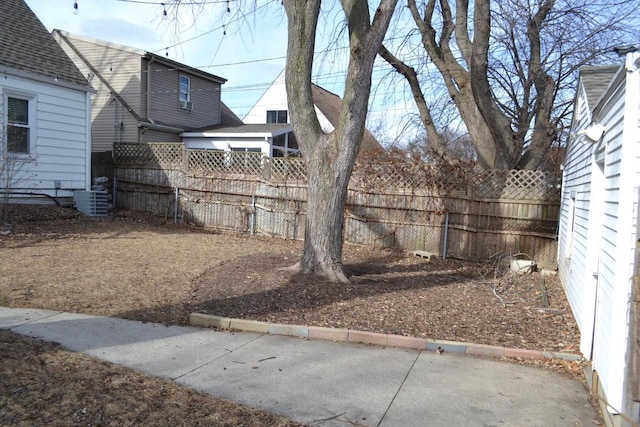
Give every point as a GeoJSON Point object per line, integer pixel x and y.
{"type": "Point", "coordinates": [250, 55]}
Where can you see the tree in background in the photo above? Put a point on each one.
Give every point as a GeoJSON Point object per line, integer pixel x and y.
{"type": "Point", "coordinates": [510, 68]}
{"type": "Point", "coordinates": [330, 157]}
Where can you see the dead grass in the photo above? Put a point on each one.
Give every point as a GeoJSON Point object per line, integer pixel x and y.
{"type": "Point", "coordinates": [140, 268]}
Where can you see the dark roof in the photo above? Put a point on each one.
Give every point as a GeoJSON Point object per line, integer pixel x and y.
{"type": "Point", "coordinates": [246, 128]}
{"type": "Point", "coordinates": [595, 80]}
{"type": "Point", "coordinates": [183, 67]}
{"type": "Point", "coordinates": [26, 45]}
{"type": "Point", "coordinates": [228, 117]}
{"type": "Point", "coordinates": [329, 104]}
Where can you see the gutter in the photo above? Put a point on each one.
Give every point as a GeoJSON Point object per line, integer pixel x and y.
{"type": "Point", "coordinates": [154, 126]}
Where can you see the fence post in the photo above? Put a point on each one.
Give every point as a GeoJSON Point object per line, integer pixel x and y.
{"type": "Point", "coordinates": [252, 219]}
{"type": "Point", "coordinates": [446, 235]}
{"type": "Point", "coordinates": [115, 191]}
{"type": "Point", "coordinates": [175, 210]}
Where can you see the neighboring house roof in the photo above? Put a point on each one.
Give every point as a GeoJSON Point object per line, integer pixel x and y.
{"type": "Point", "coordinates": [244, 129]}
{"type": "Point", "coordinates": [329, 104]}
{"type": "Point", "coordinates": [26, 45]}
{"type": "Point", "coordinates": [182, 67]}
{"type": "Point", "coordinates": [142, 53]}
{"type": "Point", "coordinates": [228, 117]}
{"type": "Point", "coordinates": [595, 80]}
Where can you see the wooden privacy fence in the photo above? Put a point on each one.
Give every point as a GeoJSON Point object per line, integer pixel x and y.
{"type": "Point", "coordinates": [391, 202]}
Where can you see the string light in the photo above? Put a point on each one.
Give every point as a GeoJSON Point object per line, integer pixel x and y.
{"type": "Point", "coordinates": [164, 10]}
{"type": "Point", "coordinates": [75, 7]}
{"type": "Point", "coordinates": [228, 8]}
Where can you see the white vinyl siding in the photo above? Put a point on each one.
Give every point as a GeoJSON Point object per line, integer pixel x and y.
{"type": "Point", "coordinates": [604, 177]}
{"type": "Point", "coordinates": [273, 99]}
{"type": "Point", "coordinates": [60, 145]}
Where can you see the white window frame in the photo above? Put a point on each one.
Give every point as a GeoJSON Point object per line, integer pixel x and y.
{"type": "Point", "coordinates": [187, 94]}
{"type": "Point", "coordinates": [277, 113]}
{"type": "Point", "coordinates": [31, 142]}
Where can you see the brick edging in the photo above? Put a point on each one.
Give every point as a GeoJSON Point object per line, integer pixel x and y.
{"type": "Point", "coordinates": [372, 338]}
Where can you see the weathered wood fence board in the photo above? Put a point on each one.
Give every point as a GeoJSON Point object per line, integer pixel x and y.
{"type": "Point", "coordinates": [479, 219]}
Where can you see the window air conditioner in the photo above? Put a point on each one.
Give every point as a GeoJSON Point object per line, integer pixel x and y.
{"type": "Point", "coordinates": [186, 105]}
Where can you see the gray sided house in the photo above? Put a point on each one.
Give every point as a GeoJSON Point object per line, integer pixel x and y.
{"type": "Point", "coordinates": [141, 96]}
{"type": "Point", "coordinates": [45, 113]}
{"type": "Point", "coordinates": [598, 232]}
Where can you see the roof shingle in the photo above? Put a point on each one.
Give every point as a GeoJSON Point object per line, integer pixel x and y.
{"type": "Point", "coordinates": [26, 45]}
{"type": "Point", "coordinates": [595, 80]}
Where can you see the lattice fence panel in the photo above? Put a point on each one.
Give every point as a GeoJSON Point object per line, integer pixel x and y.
{"type": "Point", "coordinates": [231, 162]}
{"type": "Point", "coordinates": [514, 184]}
{"type": "Point", "coordinates": [290, 169]}
{"type": "Point", "coordinates": [369, 174]}
{"type": "Point", "coordinates": [161, 153]}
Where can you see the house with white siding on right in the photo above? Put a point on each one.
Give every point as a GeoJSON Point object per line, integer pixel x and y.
{"type": "Point", "coordinates": [598, 232]}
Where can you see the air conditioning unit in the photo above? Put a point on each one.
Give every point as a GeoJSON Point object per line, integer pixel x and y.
{"type": "Point", "coordinates": [92, 203]}
{"type": "Point", "coordinates": [186, 105]}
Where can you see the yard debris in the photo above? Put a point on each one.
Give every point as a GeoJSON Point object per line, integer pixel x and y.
{"type": "Point", "coordinates": [392, 292]}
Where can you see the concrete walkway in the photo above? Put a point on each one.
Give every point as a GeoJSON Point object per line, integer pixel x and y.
{"type": "Point", "coordinates": [322, 383]}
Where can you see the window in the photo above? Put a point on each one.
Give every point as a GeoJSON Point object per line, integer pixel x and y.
{"type": "Point", "coordinates": [277, 116]}
{"type": "Point", "coordinates": [19, 122]}
{"type": "Point", "coordinates": [184, 95]}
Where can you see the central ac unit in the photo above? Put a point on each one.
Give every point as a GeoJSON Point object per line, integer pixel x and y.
{"type": "Point", "coordinates": [186, 105]}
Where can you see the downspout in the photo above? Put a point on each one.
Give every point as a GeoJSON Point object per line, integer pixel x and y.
{"type": "Point", "coordinates": [148, 112]}
{"type": "Point", "coordinates": [88, 139]}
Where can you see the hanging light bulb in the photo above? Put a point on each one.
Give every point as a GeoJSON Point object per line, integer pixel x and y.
{"type": "Point", "coordinates": [111, 67]}
{"type": "Point", "coordinates": [224, 30]}
{"type": "Point", "coordinates": [75, 7]}
{"type": "Point", "coordinates": [167, 53]}
{"type": "Point", "coordinates": [164, 10]}
{"type": "Point", "coordinates": [228, 8]}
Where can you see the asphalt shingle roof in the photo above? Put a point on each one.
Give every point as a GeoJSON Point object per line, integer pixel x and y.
{"type": "Point", "coordinates": [595, 80]}
{"type": "Point", "coordinates": [26, 45]}
{"type": "Point", "coordinates": [330, 104]}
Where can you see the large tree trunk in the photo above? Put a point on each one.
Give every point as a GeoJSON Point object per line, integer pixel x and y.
{"type": "Point", "coordinates": [330, 157]}
{"type": "Point", "coordinates": [456, 77]}
{"type": "Point", "coordinates": [544, 130]}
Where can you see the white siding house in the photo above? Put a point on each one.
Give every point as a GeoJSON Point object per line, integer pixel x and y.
{"type": "Point", "coordinates": [272, 107]}
{"type": "Point", "coordinates": [272, 140]}
{"type": "Point", "coordinates": [45, 112]}
{"type": "Point", "coordinates": [598, 228]}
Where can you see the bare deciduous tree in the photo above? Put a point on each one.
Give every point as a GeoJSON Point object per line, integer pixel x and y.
{"type": "Point", "coordinates": [330, 157]}
{"type": "Point", "coordinates": [507, 67]}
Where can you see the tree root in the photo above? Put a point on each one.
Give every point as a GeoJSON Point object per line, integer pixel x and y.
{"type": "Point", "coordinates": [331, 273]}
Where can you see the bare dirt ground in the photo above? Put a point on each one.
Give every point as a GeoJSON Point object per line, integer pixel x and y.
{"type": "Point", "coordinates": [136, 267]}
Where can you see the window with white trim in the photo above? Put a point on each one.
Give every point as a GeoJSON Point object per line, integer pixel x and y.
{"type": "Point", "coordinates": [184, 93]}
{"type": "Point", "coordinates": [20, 121]}
{"type": "Point", "coordinates": [277, 116]}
